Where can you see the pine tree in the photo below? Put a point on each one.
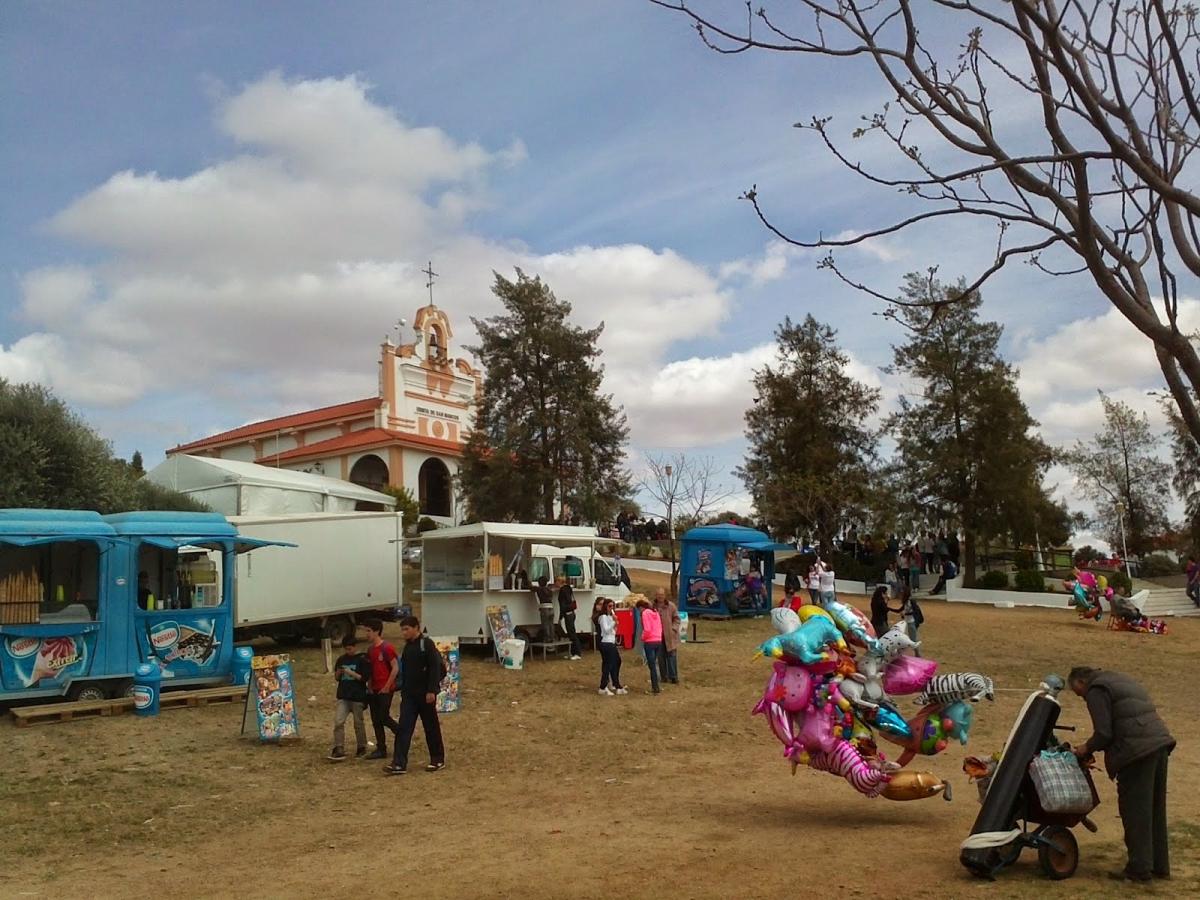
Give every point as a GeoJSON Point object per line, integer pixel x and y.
{"type": "Point", "coordinates": [547, 444]}
{"type": "Point", "coordinates": [809, 460]}
{"type": "Point", "coordinates": [964, 440]}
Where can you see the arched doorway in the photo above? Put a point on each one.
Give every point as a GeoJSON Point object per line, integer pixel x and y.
{"type": "Point", "coordinates": [433, 485]}
{"type": "Point", "coordinates": [369, 472]}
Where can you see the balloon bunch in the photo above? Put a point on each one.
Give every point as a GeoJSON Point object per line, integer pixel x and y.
{"type": "Point", "coordinates": [831, 691]}
{"type": "Point", "coordinates": [1085, 593]}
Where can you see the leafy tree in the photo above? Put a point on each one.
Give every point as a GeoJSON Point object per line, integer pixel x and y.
{"type": "Point", "coordinates": [1120, 468]}
{"type": "Point", "coordinates": [406, 504]}
{"type": "Point", "coordinates": [811, 449]}
{"type": "Point", "coordinates": [52, 459]}
{"type": "Point", "coordinates": [547, 444]}
{"type": "Point", "coordinates": [1070, 126]}
{"type": "Point", "coordinates": [964, 438]}
{"type": "Point", "coordinates": [135, 463]}
{"type": "Point", "coordinates": [1185, 459]}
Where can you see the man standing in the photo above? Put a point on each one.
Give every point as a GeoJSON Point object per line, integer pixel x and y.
{"type": "Point", "coordinates": [566, 614]}
{"type": "Point", "coordinates": [1136, 745]}
{"type": "Point", "coordinates": [668, 660]}
{"type": "Point", "coordinates": [545, 601]}
{"type": "Point", "coordinates": [1193, 580]}
{"type": "Point", "coordinates": [420, 681]}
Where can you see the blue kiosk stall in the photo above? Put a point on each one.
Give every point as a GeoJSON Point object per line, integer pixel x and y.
{"type": "Point", "coordinates": [728, 570]}
{"type": "Point", "coordinates": [85, 598]}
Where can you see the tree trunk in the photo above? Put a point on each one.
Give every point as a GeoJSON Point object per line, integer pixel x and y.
{"type": "Point", "coordinates": [968, 565]}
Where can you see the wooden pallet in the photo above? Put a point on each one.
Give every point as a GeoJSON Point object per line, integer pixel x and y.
{"type": "Point", "coordinates": [50, 713]}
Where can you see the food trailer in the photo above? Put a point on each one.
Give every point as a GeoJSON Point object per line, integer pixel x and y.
{"type": "Point", "coordinates": [728, 570]}
{"type": "Point", "coordinates": [85, 598]}
{"type": "Point", "coordinates": [467, 568]}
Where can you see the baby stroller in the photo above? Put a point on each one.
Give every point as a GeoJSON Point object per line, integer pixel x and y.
{"type": "Point", "coordinates": [1012, 817]}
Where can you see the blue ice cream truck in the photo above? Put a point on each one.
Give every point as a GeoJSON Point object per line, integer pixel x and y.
{"type": "Point", "coordinates": [85, 598]}
{"type": "Point", "coordinates": [728, 570]}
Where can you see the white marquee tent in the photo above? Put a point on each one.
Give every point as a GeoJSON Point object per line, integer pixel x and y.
{"type": "Point", "coordinates": [247, 489]}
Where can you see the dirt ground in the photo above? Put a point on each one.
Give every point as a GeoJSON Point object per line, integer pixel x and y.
{"type": "Point", "coordinates": [554, 791]}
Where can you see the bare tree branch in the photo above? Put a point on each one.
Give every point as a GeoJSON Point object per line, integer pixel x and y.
{"type": "Point", "coordinates": [1095, 166]}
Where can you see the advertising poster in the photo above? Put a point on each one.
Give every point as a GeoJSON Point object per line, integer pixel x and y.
{"type": "Point", "coordinates": [274, 697]}
{"type": "Point", "coordinates": [183, 648]}
{"type": "Point", "coordinates": [34, 661]}
{"type": "Point", "coordinates": [499, 624]}
{"type": "Point", "coordinates": [449, 699]}
{"type": "Point", "coordinates": [702, 593]}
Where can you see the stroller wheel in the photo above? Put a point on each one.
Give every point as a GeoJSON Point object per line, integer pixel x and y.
{"type": "Point", "coordinates": [1058, 852]}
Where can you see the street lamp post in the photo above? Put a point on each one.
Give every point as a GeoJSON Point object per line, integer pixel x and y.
{"type": "Point", "coordinates": [1124, 549]}
{"type": "Point", "coordinates": [668, 469]}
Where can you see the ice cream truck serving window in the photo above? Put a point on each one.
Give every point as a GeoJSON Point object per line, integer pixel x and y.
{"type": "Point", "coordinates": [177, 578]}
{"type": "Point", "coordinates": [49, 583]}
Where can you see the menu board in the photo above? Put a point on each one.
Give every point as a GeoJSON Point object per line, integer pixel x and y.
{"type": "Point", "coordinates": [449, 699]}
{"type": "Point", "coordinates": [500, 624]}
{"type": "Point", "coordinates": [274, 697]}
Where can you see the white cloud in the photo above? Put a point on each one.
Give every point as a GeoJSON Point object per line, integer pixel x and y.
{"type": "Point", "coordinates": [771, 266]}
{"type": "Point", "coordinates": [1061, 373]}
{"type": "Point", "coordinates": [266, 280]}
{"type": "Point", "coordinates": [879, 248]}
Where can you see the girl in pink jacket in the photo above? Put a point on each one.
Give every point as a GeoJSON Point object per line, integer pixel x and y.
{"type": "Point", "coordinates": [652, 640]}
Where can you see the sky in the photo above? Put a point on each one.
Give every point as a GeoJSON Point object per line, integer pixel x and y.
{"type": "Point", "coordinates": [216, 212]}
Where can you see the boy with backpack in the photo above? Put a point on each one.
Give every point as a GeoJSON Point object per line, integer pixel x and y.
{"type": "Point", "coordinates": [352, 671]}
{"type": "Point", "coordinates": [421, 672]}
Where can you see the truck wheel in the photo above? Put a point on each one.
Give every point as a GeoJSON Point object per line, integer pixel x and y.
{"type": "Point", "coordinates": [123, 689]}
{"type": "Point", "coordinates": [1058, 854]}
{"type": "Point", "coordinates": [87, 690]}
{"type": "Point", "coordinates": [338, 629]}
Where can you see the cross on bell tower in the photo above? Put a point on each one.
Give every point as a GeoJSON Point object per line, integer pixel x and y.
{"type": "Point", "coordinates": [431, 275]}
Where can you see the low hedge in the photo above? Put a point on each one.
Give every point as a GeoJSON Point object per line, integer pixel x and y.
{"type": "Point", "coordinates": [1030, 581]}
{"type": "Point", "coordinates": [992, 581]}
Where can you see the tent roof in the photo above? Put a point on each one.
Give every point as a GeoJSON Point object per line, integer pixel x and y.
{"type": "Point", "coordinates": [186, 473]}
{"type": "Point", "coordinates": [520, 530]}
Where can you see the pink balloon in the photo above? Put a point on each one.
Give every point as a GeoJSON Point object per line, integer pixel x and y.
{"type": "Point", "coordinates": [816, 733]}
{"type": "Point", "coordinates": [796, 686]}
{"type": "Point", "coordinates": [908, 674]}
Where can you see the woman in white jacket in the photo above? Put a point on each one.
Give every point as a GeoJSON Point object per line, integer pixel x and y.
{"type": "Point", "coordinates": [610, 655]}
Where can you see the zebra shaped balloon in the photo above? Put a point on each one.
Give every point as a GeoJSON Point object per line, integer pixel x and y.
{"type": "Point", "coordinates": [943, 689]}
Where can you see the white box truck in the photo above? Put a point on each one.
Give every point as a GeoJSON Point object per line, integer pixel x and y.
{"type": "Point", "coordinates": [467, 568]}
{"type": "Point", "coordinates": [345, 567]}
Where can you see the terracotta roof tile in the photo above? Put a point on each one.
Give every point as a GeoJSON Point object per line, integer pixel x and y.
{"type": "Point", "coordinates": [335, 413]}
{"type": "Point", "coordinates": [366, 437]}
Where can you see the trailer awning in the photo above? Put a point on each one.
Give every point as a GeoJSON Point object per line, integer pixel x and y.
{"type": "Point", "coordinates": [241, 543]}
{"type": "Point", "coordinates": [568, 534]}
{"type": "Point", "coordinates": [29, 540]}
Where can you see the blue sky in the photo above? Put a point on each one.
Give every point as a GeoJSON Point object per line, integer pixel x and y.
{"type": "Point", "coordinates": [194, 190]}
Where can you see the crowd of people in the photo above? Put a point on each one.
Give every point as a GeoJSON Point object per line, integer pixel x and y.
{"type": "Point", "coordinates": [657, 624]}
{"type": "Point", "coordinates": [635, 529]}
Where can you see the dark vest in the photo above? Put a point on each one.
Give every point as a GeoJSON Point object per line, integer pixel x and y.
{"type": "Point", "coordinates": [1137, 729]}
